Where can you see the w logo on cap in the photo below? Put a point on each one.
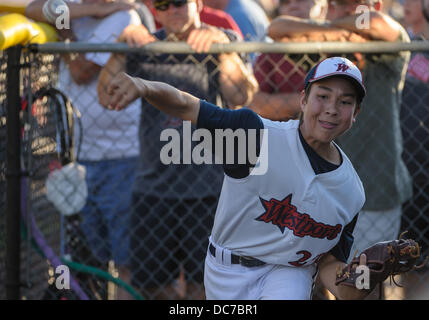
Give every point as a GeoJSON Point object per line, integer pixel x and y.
{"type": "Point", "coordinates": [342, 67]}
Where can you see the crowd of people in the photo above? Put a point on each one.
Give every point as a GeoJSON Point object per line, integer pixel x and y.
{"type": "Point", "coordinates": [153, 220]}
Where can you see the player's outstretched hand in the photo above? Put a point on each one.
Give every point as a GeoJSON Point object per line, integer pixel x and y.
{"type": "Point", "coordinates": [121, 91]}
{"type": "Point", "coordinates": [201, 39]}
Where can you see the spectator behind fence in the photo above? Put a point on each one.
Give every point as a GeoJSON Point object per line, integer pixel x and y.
{"type": "Point", "coordinates": [175, 204]}
{"type": "Point", "coordinates": [414, 19]}
{"type": "Point", "coordinates": [374, 145]}
{"type": "Point", "coordinates": [211, 16]}
{"type": "Point", "coordinates": [415, 124]}
{"type": "Point", "coordinates": [281, 77]}
{"type": "Point", "coordinates": [109, 145]}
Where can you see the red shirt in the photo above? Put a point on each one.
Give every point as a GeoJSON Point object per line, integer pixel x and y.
{"type": "Point", "coordinates": [276, 74]}
{"type": "Point", "coordinates": [219, 18]}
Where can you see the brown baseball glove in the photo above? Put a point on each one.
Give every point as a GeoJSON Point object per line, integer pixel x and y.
{"type": "Point", "coordinates": [383, 259]}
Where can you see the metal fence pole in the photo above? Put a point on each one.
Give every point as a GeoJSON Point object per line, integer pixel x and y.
{"type": "Point", "coordinates": [13, 174]}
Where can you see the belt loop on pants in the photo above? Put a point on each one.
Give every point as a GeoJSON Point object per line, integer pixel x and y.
{"type": "Point", "coordinates": [224, 256]}
{"type": "Point", "coordinates": [218, 254]}
{"type": "Point", "coordinates": [227, 257]}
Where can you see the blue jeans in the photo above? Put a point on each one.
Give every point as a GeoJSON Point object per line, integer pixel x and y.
{"type": "Point", "coordinates": [106, 215]}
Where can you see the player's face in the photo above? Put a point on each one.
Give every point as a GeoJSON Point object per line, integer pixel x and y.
{"type": "Point", "coordinates": [179, 18]}
{"type": "Point", "coordinates": [329, 110]}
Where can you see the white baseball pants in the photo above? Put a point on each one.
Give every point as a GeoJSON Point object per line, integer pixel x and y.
{"type": "Point", "coordinates": [226, 281]}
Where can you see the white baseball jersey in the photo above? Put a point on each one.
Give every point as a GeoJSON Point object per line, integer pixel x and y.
{"type": "Point", "coordinates": [290, 215]}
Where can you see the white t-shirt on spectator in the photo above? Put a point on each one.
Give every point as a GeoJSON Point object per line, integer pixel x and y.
{"type": "Point", "coordinates": [106, 134]}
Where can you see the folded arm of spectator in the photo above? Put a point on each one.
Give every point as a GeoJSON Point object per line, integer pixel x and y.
{"type": "Point", "coordinates": [276, 106]}
{"type": "Point", "coordinates": [382, 27]}
{"type": "Point", "coordinates": [77, 10]}
{"type": "Point", "coordinates": [237, 83]}
{"type": "Point", "coordinates": [287, 28]}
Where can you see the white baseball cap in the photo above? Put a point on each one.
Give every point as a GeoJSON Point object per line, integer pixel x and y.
{"type": "Point", "coordinates": [336, 66]}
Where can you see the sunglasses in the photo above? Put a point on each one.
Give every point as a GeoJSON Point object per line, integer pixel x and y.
{"type": "Point", "coordinates": [163, 5]}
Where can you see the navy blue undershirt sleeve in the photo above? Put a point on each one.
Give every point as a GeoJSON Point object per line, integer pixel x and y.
{"type": "Point", "coordinates": [342, 250]}
{"type": "Point", "coordinates": [211, 117]}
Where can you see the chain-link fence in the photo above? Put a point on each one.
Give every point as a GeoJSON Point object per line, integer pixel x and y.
{"type": "Point", "coordinates": [149, 223]}
{"type": "Point", "coordinates": [415, 124]}
{"type": "Point", "coordinates": [3, 66]}
{"type": "Point", "coordinates": [41, 229]}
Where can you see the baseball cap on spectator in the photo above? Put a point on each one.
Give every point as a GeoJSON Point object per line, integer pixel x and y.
{"type": "Point", "coordinates": [337, 66]}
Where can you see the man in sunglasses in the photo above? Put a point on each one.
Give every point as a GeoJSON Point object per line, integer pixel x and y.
{"type": "Point", "coordinates": [375, 144]}
{"type": "Point", "coordinates": [174, 205]}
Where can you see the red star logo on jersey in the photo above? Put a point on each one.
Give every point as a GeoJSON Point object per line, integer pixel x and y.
{"type": "Point", "coordinates": [283, 214]}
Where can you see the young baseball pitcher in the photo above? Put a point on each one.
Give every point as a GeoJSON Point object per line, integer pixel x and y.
{"type": "Point", "coordinates": [275, 231]}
